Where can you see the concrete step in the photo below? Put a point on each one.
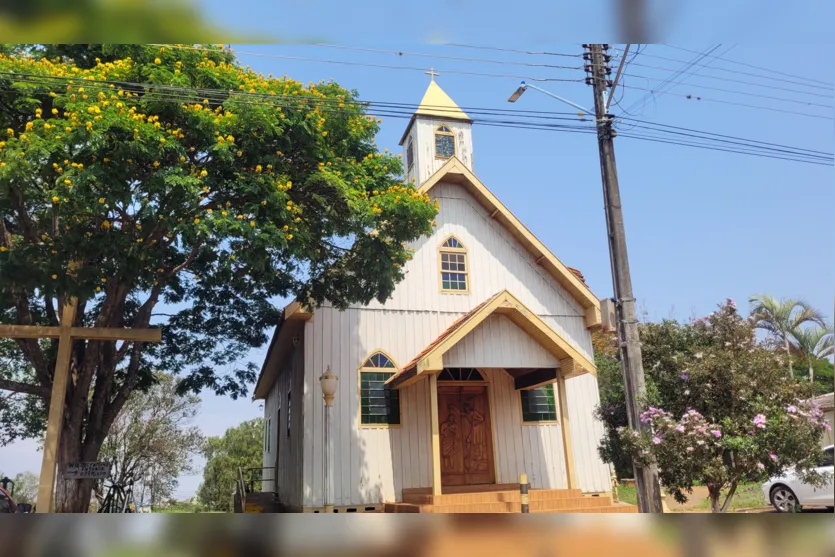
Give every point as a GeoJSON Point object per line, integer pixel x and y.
{"type": "Point", "coordinates": [261, 502]}
{"type": "Point", "coordinates": [507, 496]}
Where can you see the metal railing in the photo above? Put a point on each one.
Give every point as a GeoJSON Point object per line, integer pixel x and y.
{"type": "Point", "coordinates": [251, 480]}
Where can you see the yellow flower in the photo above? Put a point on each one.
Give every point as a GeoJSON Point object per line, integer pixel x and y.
{"type": "Point", "coordinates": [252, 224]}
{"type": "Point", "coordinates": [209, 211]}
{"type": "Point", "coordinates": [239, 153]}
{"type": "Point", "coordinates": [98, 289]}
{"type": "Point", "coordinates": [230, 138]}
{"type": "Point", "coordinates": [55, 199]}
{"type": "Point", "coordinates": [298, 219]}
{"type": "Point", "coordinates": [104, 281]}
{"type": "Point", "coordinates": [29, 126]}
{"type": "Point", "coordinates": [232, 257]}
{"type": "Point", "coordinates": [157, 61]}
{"type": "Point", "coordinates": [289, 236]}
{"type": "Point", "coordinates": [223, 213]}
{"type": "Point", "coordinates": [258, 168]}
{"type": "Point", "coordinates": [101, 200]}
{"type": "Point", "coordinates": [324, 134]}
{"type": "Point", "coordinates": [240, 217]}
{"type": "Point", "coordinates": [196, 221]}
{"type": "Point", "coordinates": [54, 277]}
{"type": "Point", "coordinates": [162, 140]}
{"type": "Point", "coordinates": [10, 132]}
{"type": "Point", "coordinates": [264, 202]}
{"type": "Point", "coordinates": [3, 248]}
{"type": "Point", "coordinates": [203, 173]}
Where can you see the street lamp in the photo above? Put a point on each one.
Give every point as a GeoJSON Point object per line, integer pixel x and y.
{"type": "Point", "coordinates": [328, 382]}
{"type": "Point", "coordinates": [525, 86]}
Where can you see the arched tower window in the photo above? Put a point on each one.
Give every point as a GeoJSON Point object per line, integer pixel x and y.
{"type": "Point", "coordinates": [444, 142]}
{"type": "Point", "coordinates": [454, 266]}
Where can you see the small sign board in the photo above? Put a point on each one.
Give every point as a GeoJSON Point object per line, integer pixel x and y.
{"type": "Point", "coordinates": [608, 313]}
{"type": "Point", "coordinates": [87, 470]}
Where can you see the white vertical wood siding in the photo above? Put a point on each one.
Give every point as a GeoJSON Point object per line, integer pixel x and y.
{"type": "Point", "coordinates": [285, 453]}
{"type": "Point", "coordinates": [498, 342]}
{"type": "Point", "coordinates": [422, 135]}
{"type": "Point", "coordinates": [497, 261]}
{"type": "Point", "coordinates": [373, 465]}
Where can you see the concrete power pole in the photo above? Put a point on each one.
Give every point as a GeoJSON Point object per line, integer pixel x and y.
{"type": "Point", "coordinates": [646, 478]}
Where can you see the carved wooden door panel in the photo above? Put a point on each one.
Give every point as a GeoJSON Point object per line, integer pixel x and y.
{"type": "Point", "coordinates": [466, 436]}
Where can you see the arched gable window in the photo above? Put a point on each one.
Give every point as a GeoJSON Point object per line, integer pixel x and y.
{"type": "Point", "coordinates": [460, 374]}
{"type": "Point", "coordinates": [444, 142]}
{"type": "Point", "coordinates": [454, 266]}
{"type": "Point", "coordinates": [379, 404]}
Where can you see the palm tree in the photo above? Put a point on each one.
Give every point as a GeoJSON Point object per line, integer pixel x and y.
{"type": "Point", "coordinates": [783, 318]}
{"type": "Point", "coordinates": [815, 343]}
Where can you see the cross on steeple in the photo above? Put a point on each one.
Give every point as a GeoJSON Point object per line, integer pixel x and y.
{"type": "Point", "coordinates": [432, 73]}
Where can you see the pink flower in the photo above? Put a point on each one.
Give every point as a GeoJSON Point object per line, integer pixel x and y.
{"type": "Point", "coordinates": [689, 449]}
{"type": "Point", "coordinates": [761, 466]}
{"type": "Point", "coordinates": [826, 426]}
{"type": "Point", "coordinates": [759, 421]}
{"type": "Point", "coordinates": [773, 456]}
{"type": "Point", "coordinates": [791, 409]}
{"type": "Point", "coordinates": [656, 440]}
{"type": "Point", "coordinates": [716, 433]}
{"type": "Point", "coordinates": [731, 303]}
{"type": "Point", "coordinates": [680, 428]}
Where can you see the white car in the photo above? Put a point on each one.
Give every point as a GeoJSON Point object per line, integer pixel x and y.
{"type": "Point", "coordinates": [788, 493]}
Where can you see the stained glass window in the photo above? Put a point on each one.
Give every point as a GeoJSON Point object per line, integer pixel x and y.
{"type": "Point", "coordinates": [444, 142]}
{"type": "Point", "coordinates": [539, 405]}
{"type": "Point", "coordinates": [454, 269]}
{"type": "Point", "coordinates": [379, 404]}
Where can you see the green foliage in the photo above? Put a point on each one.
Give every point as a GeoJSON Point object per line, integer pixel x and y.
{"type": "Point", "coordinates": [240, 447]}
{"type": "Point", "coordinates": [152, 440]}
{"type": "Point", "coordinates": [133, 176]}
{"type": "Point", "coordinates": [725, 410]}
{"type": "Point", "coordinates": [612, 412]}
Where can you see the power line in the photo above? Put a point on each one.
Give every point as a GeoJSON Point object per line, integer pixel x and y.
{"type": "Point", "coordinates": [736, 81]}
{"type": "Point", "coordinates": [500, 49]}
{"type": "Point", "coordinates": [736, 92]}
{"type": "Point", "coordinates": [699, 146]}
{"type": "Point", "coordinates": [737, 72]}
{"type": "Point", "coordinates": [755, 67]}
{"type": "Point", "coordinates": [397, 110]}
{"type": "Point", "coordinates": [447, 57]}
{"type": "Point", "coordinates": [700, 98]}
{"type": "Point", "coordinates": [663, 86]}
{"type": "Point", "coordinates": [388, 67]}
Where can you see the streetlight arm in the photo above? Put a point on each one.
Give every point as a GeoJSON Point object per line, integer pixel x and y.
{"type": "Point", "coordinates": [550, 94]}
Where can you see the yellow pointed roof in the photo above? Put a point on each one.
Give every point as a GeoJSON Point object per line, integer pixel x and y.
{"type": "Point", "coordinates": [438, 104]}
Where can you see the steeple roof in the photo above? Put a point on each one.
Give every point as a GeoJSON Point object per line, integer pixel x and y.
{"type": "Point", "coordinates": [438, 104]}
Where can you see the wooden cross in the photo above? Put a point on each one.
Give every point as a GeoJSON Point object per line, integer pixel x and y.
{"type": "Point", "coordinates": [432, 73]}
{"type": "Point", "coordinates": [66, 334]}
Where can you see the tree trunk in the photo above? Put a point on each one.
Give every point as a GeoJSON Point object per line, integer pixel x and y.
{"type": "Point", "coordinates": [730, 497]}
{"type": "Point", "coordinates": [789, 355]}
{"type": "Point", "coordinates": [811, 373]}
{"type": "Point", "coordinates": [72, 496]}
{"type": "Point", "coordinates": [714, 493]}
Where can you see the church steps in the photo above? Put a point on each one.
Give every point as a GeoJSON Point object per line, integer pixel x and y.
{"type": "Point", "coordinates": [541, 501]}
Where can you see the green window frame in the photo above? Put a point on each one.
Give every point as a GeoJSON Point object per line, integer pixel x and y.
{"type": "Point", "coordinates": [379, 403]}
{"type": "Point", "coordinates": [539, 404]}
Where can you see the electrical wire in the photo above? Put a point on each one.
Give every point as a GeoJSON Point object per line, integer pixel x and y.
{"type": "Point", "coordinates": [398, 110]}
{"type": "Point", "coordinates": [388, 67]}
{"type": "Point", "coordinates": [828, 84]}
{"type": "Point", "coordinates": [500, 49]}
{"type": "Point", "coordinates": [734, 71]}
{"type": "Point", "coordinates": [447, 57]}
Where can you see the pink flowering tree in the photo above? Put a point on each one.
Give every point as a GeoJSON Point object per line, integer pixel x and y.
{"type": "Point", "coordinates": [724, 412]}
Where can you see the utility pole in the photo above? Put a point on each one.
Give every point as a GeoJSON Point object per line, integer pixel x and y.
{"type": "Point", "coordinates": [646, 478]}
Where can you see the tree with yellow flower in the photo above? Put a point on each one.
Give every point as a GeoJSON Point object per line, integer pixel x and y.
{"type": "Point", "coordinates": [113, 165]}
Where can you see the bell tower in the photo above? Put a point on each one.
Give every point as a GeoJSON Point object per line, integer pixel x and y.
{"type": "Point", "coordinates": [438, 131]}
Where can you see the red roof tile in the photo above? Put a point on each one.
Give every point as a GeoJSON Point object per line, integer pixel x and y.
{"type": "Point", "coordinates": [578, 274]}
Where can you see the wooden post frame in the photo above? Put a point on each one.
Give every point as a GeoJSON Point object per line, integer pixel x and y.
{"type": "Point", "coordinates": [436, 435]}
{"type": "Point", "coordinates": [66, 334]}
{"type": "Point", "coordinates": [565, 428]}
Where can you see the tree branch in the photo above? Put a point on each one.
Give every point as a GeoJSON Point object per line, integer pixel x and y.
{"type": "Point", "coordinates": [26, 388]}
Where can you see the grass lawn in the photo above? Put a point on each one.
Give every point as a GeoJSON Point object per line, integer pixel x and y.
{"type": "Point", "coordinates": [627, 494]}
{"type": "Point", "coordinates": [747, 496]}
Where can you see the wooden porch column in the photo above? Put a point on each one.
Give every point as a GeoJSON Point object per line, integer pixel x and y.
{"type": "Point", "coordinates": [436, 435]}
{"type": "Point", "coordinates": [565, 426]}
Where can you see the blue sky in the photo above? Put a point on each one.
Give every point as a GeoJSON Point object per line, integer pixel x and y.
{"type": "Point", "coordinates": [702, 226]}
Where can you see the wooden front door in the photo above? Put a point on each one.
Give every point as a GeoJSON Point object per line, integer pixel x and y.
{"type": "Point", "coordinates": [466, 435]}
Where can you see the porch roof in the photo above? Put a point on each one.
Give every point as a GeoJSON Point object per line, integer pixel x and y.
{"type": "Point", "coordinates": [430, 359]}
